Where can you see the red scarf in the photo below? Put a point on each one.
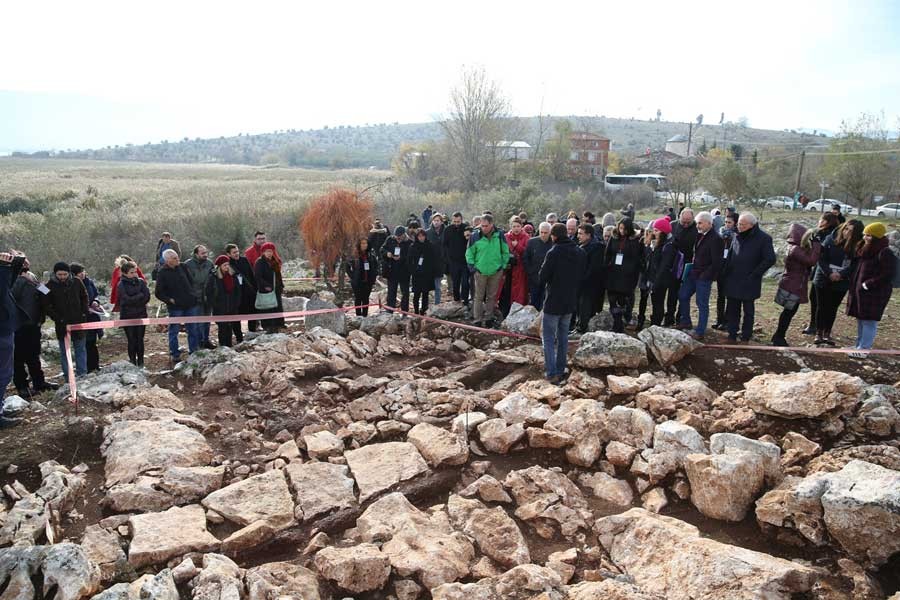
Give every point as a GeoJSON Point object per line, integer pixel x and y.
{"type": "Point", "coordinates": [228, 282]}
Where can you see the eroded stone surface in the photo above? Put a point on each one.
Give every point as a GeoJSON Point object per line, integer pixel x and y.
{"type": "Point", "coordinates": [379, 467]}
{"type": "Point", "coordinates": [264, 497]}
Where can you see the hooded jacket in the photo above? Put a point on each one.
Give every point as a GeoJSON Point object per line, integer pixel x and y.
{"type": "Point", "coordinates": [133, 297]}
{"type": "Point", "coordinates": [488, 254]}
{"type": "Point", "coordinates": [798, 262]}
{"type": "Point", "coordinates": [563, 268]}
{"type": "Point", "coordinates": [67, 303]}
{"type": "Point", "coordinates": [751, 255]}
{"type": "Point", "coordinates": [875, 269]}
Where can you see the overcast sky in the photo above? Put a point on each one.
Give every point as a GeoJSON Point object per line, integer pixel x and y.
{"type": "Point", "coordinates": [89, 74]}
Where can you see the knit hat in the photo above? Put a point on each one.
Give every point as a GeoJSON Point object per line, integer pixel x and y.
{"type": "Point", "coordinates": [399, 230]}
{"type": "Point", "coordinates": [876, 230]}
{"type": "Point", "coordinates": [61, 266]}
{"type": "Point", "coordinates": [267, 246]}
{"type": "Point", "coordinates": [221, 260]}
{"type": "Point", "coordinates": [663, 225]}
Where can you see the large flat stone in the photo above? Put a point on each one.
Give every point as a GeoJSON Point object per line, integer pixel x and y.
{"type": "Point", "coordinates": [379, 467]}
{"type": "Point", "coordinates": [263, 497]}
{"type": "Point", "coordinates": [320, 488]}
{"type": "Point", "coordinates": [158, 537]}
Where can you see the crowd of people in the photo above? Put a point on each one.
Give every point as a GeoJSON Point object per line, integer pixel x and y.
{"type": "Point", "coordinates": [568, 268]}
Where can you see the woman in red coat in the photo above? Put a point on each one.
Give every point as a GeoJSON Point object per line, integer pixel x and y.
{"type": "Point", "coordinates": [117, 276]}
{"type": "Point", "coordinates": [802, 255]}
{"type": "Point", "coordinates": [870, 286]}
{"type": "Point", "coordinates": [517, 239]}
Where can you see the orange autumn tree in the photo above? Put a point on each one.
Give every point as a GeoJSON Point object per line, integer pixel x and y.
{"type": "Point", "coordinates": [332, 226]}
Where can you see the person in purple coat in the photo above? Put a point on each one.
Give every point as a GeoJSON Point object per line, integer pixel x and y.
{"type": "Point", "coordinates": [870, 286]}
{"type": "Point", "coordinates": [802, 255]}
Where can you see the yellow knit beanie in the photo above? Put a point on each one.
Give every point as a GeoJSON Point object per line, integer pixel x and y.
{"type": "Point", "coordinates": [876, 230]}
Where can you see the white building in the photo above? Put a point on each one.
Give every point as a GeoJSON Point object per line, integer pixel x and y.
{"type": "Point", "coordinates": [677, 144]}
{"type": "Point", "coordinates": [513, 150]}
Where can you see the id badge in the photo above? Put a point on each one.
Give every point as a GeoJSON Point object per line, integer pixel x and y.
{"type": "Point", "coordinates": [421, 260]}
{"type": "Point", "coordinates": [240, 279]}
{"type": "Point", "coordinates": [366, 266]}
{"type": "Point", "coordinates": [43, 289]}
{"type": "Point", "coordinates": [726, 253]}
{"type": "Point", "coordinates": [620, 258]}
{"type": "Point", "coordinates": [397, 251]}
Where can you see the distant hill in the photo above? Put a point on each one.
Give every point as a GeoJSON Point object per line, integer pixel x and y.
{"type": "Point", "coordinates": [375, 145]}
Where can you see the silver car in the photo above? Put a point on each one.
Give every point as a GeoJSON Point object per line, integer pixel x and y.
{"type": "Point", "coordinates": [888, 210]}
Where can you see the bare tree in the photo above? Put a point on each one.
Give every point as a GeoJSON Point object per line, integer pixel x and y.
{"type": "Point", "coordinates": [479, 116]}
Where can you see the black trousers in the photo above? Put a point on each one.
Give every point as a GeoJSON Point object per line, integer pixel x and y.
{"type": "Point", "coordinates": [93, 354]}
{"type": "Point", "coordinates": [420, 302]}
{"type": "Point", "coordinates": [135, 336]}
{"type": "Point", "coordinates": [658, 302]}
{"type": "Point", "coordinates": [829, 302]}
{"type": "Point", "coordinates": [784, 321]}
{"type": "Point", "coordinates": [733, 312]}
{"type": "Point", "coordinates": [361, 294]}
{"type": "Point", "coordinates": [642, 307]}
{"type": "Point", "coordinates": [721, 303]}
{"type": "Point", "coordinates": [619, 304]}
{"type": "Point", "coordinates": [403, 285]}
{"type": "Point", "coordinates": [27, 355]}
{"type": "Point", "coordinates": [228, 332]}
{"type": "Point", "coordinates": [672, 303]}
{"type": "Point", "coordinates": [459, 277]}
{"type": "Point", "coordinates": [587, 308]}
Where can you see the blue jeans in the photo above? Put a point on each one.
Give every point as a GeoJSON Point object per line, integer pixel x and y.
{"type": "Point", "coordinates": [7, 346]}
{"type": "Point", "coordinates": [79, 349]}
{"type": "Point", "coordinates": [437, 289]}
{"type": "Point", "coordinates": [865, 334]}
{"type": "Point", "coordinates": [193, 330]}
{"type": "Point", "coordinates": [536, 295]}
{"type": "Point", "coordinates": [555, 334]}
{"type": "Point", "coordinates": [703, 289]}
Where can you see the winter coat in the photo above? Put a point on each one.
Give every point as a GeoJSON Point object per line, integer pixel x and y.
{"type": "Point", "coordinates": [174, 287]}
{"type": "Point", "coordinates": [221, 301]}
{"type": "Point", "coordinates": [751, 255]}
{"type": "Point", "coordinates": [662, 259]}
{"type": "Point", "coordinates": [455, 244]}
{"type": "Point", "coordinates": [685, 238]}
{"type": "Point", "coordinates": [875, 269]}
{"type": "Point", "coordinates": [436, 239]}
{"type": "Point", "coordinates": [831, 256]}
{"type": "Point", "coordinates": [518, 278]}
{"type": "Point", "coordinates": [622, 279]}
{"type": "Point", "coordinates": [426, 216]}
{"type": "Point", "coordinates": [798, 262]}
{"type": "Point", "coordinates": [398, 269]}
{"type": "Point", "coordinates": [254, 252]}
{"type": "Point", "coordinates": [643, 279]}
{"type": "Point", "coordinates": [423, 265]}
{"type": "Point", "coordinates": [268, 279]}
{"type": "Point", "coordinates": [533, 258]}
{"type": "Point", "coordinates": [10, 313]}
{"type": "Point", "coordinates": [133, 295]}
{"type": "Point", "coordinates": [488, 254]}
{"type": "Point", "coordinates": [708, 251]}
{"type": "Point", "coordinates": [356, 268]}
{"type": "Point", "coordinates": [67, 303]}
{"type": "Point", "coordinates": [562, 269]}
{"type": "Point", "coordinates": [114, 286]}
{"type": "Point", "coordinates": [173, 245]}
{"type": "Point", "coordinates": [243, 273]}
{"type": "Point", "coordinates": [28, 300]}
{"type": "Point", "coordinates": [377, 238]}
{"type": "Point", "coordinates": [592, 278]}
{"type": "Point", "coordinates": [201, 271]}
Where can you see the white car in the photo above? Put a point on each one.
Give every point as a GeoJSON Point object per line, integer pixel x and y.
{"type": "Point", "coordinates": [785, 202]}
{"type": "Point", "coordinates": [816, 205]}
{"type": "Point", "coordinates": [706, 198]}
{"type": "Point", "coordinates": [888, 210]}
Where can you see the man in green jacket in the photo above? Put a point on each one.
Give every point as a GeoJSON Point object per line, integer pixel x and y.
{"type": "Point", "coordinates": [488, 256]}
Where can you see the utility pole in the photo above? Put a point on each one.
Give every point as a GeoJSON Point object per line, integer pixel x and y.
{"type": "Point", "coordinates": [799, 177]}
{"type": "Point", "coordinates": [690, 133]}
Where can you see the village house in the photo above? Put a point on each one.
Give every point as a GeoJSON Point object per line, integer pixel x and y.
{"type": "Point", "coordinates": [589, 157]}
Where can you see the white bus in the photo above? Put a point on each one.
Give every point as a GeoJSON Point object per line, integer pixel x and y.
{"type": "Point", "coordinates": [615, 183]}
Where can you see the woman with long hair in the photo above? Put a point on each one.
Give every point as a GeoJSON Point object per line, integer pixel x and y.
{"type": "Point", "coordinates": [223, 294]}
{"type": "Point", "coordinates": [870, 286]}
{"type": "Point", "coordinates": [133, 295]}
{"type": "Point", "coordinates": [422, 266]}
{"type": "Point", "coordinates": [117, 276]}
{"type": "Point", "coordinates": [517, 240]}
{"type": "Point", "coordinates": [828, 222]}
{"type": "Point", "coordinates": [363, 271]}
{"type": "Point", "coordinates": [832, 276]}
{"type": "Point", "coordinates": [267, 271]}
{"type": "Point", "coordinates": [802, 255]}
{"type": "Point", "coordinates": [659, 270]}
{"type": "Point", "coordinates": [623, 259]}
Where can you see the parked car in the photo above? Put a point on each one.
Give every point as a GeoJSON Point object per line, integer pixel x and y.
{"type": "Point", "coordinates": [888, 210]}
{"type": "Point", "coordinates": [785, 202]}
{"type": "Point", "coordinates": [817, 206]}
{"type": "Point", "coordinates": [705, 198]}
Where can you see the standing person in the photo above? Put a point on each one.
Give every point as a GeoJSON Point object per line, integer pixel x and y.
{"type": "Point", "coordinates": [200, 268]}
{"type": "Point", "coordinates": [727, 233]}
{"type": "Point", "coordinates": [427, 214]}
{"type": "Point", "coordinates": [267, 271]}
{"type": "Point", "coordinates": [826, 226]}
{"type": "Point", "coordinates": [623, 258]}
{"type": "Point", "coordinates": [67, 304]}
{"type": "Point", "coordinates": [588, 218]}
{"type": "Point", "coordinates": [802, 255]}
{"type": "Point", "coordinates": [590, 280]}
{"type": "Point", "coordinates": [242, 271]}
{"type": "Point", "coordinates": [684, 235]}
{"type": "Point", "coordinates": [423, 264]}
{"type": "Point", "coordinates": [517, 240]}
{"type": "Point", "coordinates": [628, 211]}
{"type": "Point", "coordinates": [532, 259]}
{"type": "Point", "coordinates": [223, 295]}
{"type": "Point", "coordinates": [455, 244]}
{"type": "Point", "coordinates": [175, 289]}
{"type": "Point", "coordinates": [659, 272]}
{"type": "Point", "coordinates": [836, 211]}
{"type": "Point", "coordinates": [832, 278]}
{"type": "Point", "coordinates": [363, 270]}
{"type": "Point", "coordinates": [435, 236]}
{"type": "Point", "coordinates": [9, 324]}
{"type": "Point", "coordinates": [395, 268]}
{"type": "Point", "coordinates": [563, 266]}
{"type": "Point", "coordinates": [871, 286]}
{"type": "Point", "coordinates": [704, 270]}
{"type": "Point", "coordinates": [378, 235]}
{"type": "Point", "coordinates": [645, 285]}
{"type": "Point", "coordinates": [752, 254]}
{"type": "Point", "coordinates": [609, 220]}
{"type": "Point", "coordinates": [166, 242]}
{"type": "Point", "coordinates": [94, 311]}
{"type": "Point", "coordinates": [27, 297]}
{"type": "Point", "coordinates": [133, 295]}
{"type": "Point", "coordinates": [572, 228]}
{"type": "Point", "coordinates": [253, 253]}
{"type": "Point", "coordinates": [470, 270]}
{"type": "Point", "coordinates": [552, 218]}
{"type": "Point", "coordinates": [116, 276]}
{"type": "Point", "coordinates": [718, 219]}
{"type": "Point", "coordinates": [488, 255]}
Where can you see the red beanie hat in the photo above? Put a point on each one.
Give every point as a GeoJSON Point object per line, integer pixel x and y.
{"type": "Point", "coordinates": [663, 225]}
{"type": "Point", "coordinates": [267, 246]}
{"type": "Point", "coordinates": [221, 260]}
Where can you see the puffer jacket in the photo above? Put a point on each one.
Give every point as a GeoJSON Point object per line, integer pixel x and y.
{"type": "Point", "coordinates": [797, 263]}
{"type": "Point", "coordinates": [622, 279]}
{"type": "Point", "coordinates": [133, 295]}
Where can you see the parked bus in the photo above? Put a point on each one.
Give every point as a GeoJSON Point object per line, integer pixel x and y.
{"type": "Point", "coordinates": [615, 183]}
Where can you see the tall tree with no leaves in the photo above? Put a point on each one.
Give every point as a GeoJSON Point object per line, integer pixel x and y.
{"type": "Point", "coordinates": [478, 117]}
{"type": "Point", "coordinates": [332, 226]}
{"type": "Point", "coordinates": [856, 163]}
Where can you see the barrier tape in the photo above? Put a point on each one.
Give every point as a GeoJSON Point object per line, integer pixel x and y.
{"type": "Point", "coordinates": [806, 349]}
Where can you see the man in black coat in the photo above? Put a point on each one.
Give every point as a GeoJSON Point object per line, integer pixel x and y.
{"type": "Point", "coordinates": [751, 255]}
{"type": "Point", "coordinates": [67, 304]}
{"type": "Point", "coordinates": [435, 236]}
{"type": "Point", "coordinates": [246, 280]}
{"type": "Point", "coordinates": [378, 235]}
{"type": "Point", "coordinates": [455, 244]}
{"type": "Point", "coordinates": [707, 260]}
{"type": "Point", "coordinates": [684, 236]}
{"type": "Point", "coordinates": [535, 251]}
{"type": "Point", "coordinates": [562, 270]}
{"type": "Point", "coordinates": [590, 285]}
{"type": "Point", "coordinates": [394, 256]}
{"type": "Point", "coordinates": [174, 287]}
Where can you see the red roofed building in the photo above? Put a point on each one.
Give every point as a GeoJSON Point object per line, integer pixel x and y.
{"type": "Point", "coordinates": [589, 157]}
